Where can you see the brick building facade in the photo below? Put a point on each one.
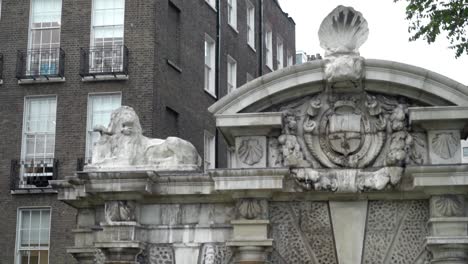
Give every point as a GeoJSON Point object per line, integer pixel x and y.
{"type": "Point", "coordinates": [162, 78]}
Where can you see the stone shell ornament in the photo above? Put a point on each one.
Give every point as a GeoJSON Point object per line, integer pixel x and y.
{"type": "Point", "coordinates": [344, 30]}
{"type": "Point", "coordinates": [250, 151]}
{"type": "Point", "coordinates": [445, 145]}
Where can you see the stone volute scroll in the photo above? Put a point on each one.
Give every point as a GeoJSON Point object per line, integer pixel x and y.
{"type": "Point", "coordinates": [122, 144]}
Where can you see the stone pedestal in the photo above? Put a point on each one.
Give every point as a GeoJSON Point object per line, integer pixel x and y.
{"type": "Point", "coordinates": [250, 240]}
{"type": "Point", "coordinates": [448, 228]}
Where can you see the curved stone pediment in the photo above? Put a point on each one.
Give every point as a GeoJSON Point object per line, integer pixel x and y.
{"type": "Point", "coordinates": [380, 76]}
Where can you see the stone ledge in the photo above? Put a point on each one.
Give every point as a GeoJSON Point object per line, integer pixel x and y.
{"type": "Point", "coordinates": [440, 240]}
{"type": "Point", "coordinates": [42, 80]}
{"type": "Point", "coordinates": [248, 179]}
{"type": "Point", "coordinates": [250, 243]}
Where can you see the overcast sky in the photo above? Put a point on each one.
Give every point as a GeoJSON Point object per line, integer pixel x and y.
{"type": "Point", "coordinates": [388, 35]}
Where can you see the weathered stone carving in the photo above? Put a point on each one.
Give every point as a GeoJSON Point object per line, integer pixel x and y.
{"type": "Point", "coordinates": [249, 208]}
{"type": "Point", "coordinates": [274, 153]}
{"type": "Point", "coordinates": [445, 145]}
{"type": "Point", "coordinates": [250, 151]}
{"type": "Point", "coordinates": [209, 255]}
{"type": "Point", "coordinates": [346, 180]}
{"type": "Point", "coordinates": [341, 34]}
{"type": "Point", "coordinates": [290, 149]}
{"type": "Point", "coordinates": [215, 254]}
{"type": "Point", "coordinates": [120, 211]}
{"type": "Point", "coordinates": [448, 205]}
{"type": "Point", "coordinates": [350, 132]}
{"type": "Point", "coordinates": [122, 144]}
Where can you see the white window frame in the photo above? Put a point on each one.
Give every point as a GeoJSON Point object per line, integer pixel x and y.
{"type": "Point", "coordinates": [37, 161]}
{"type": "Point", "coordinates": [231, 74]}
{"type": "Point", "coordinates": [250, 24]}
{"type": "Point", "coordinates": [290, 61]}
{"type": "Point", "coordinates": [209, 157]}
{"type": "Point", "coordinates": [232, 13]}
{"type": "Point", "coordinates": [89, 116]}
{"type": "Point", "coordinates": [210, 64]}
{"type": "Point", "coordinates": [212, 4]}
{"type": "Point", "coordinates": [231, 157]}
{"type": "Point", "coordinates": [279, 53]}
{"type": "Point", "coordinates": [268, 47]}
{"type": "Point", "coordinates": [18, 247]}
{"type": "Point", "coordinates": [48, 56]}
{"type": "Point", "coordinates": [116, 51]}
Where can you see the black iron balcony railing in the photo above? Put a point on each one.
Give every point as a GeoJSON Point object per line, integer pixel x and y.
{"type": "Point", "coordinates": [104, 60]}
{"type": "Point", "coordinates": [1, 66]}
{"type": "Point", "coordinates": [40, 63]}
{"type": "Point", "coordinates": [33, 174]}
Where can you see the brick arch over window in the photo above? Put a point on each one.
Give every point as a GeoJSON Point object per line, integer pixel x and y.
{"type": "Point", "coordinates": [381, 76]}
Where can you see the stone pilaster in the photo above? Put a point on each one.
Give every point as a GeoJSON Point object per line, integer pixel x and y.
{"type": "Point", "coordinates": [448, 230]}
{"type": "Point", "coordinates": [250, 240]}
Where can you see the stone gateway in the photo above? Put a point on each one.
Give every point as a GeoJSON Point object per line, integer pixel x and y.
{"type": "Point", "coordinates": [344, 160]}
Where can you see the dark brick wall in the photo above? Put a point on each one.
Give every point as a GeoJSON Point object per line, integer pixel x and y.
{"type": "Point", "coordinates": [153, 86]}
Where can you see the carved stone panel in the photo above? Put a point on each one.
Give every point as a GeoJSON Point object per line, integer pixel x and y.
{"type": "Point", "coordinates": [251, 152]}
{"type": "Point", "coordinates": [215, 254]}
{"type": "Point", "coordinates": [302, 233]}
{"type": "Point", "coordinates": [444, 146]}
{"type": "Point", "coordinates": [160, 254]}
{"type": "Point", "coordinates": [396, 232]}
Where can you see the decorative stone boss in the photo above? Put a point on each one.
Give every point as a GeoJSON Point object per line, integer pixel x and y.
{"type": "Point", "coordinates": [122, 145]}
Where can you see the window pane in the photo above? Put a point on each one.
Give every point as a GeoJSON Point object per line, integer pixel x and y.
{"type": "Point", "coordinates": [46, 11]}
{"type": "Point", "coordinates": [35, 219]}
{"type": "Point", "coordinates": [24, 238]}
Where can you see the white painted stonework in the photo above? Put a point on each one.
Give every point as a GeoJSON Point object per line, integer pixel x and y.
{"type": "Point", "coordinates": [345, 160]}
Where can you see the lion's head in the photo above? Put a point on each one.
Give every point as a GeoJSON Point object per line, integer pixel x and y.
{"type": "Point", "coordinates": [124, 120]}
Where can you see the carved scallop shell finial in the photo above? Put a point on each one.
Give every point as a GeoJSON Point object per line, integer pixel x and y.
{"type": "Point", "coordinates": [344, 30]}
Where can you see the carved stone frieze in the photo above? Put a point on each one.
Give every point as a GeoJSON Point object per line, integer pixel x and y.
{"type": "Point", "coordinates": [347, 180]}
{"type": "Point", "coordinates": [120, 211]}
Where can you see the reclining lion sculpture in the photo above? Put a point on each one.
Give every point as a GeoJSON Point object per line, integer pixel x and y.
{"type": "Point", "coordinates": [122, 144]}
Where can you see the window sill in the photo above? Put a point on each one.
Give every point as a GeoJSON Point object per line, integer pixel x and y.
{"type": "Point", "coordinates": [234, 28]}
{"type": "Point", "coordinates": [211, 6]}
{"type": "Point", "coordinates": [105, 78]}
{"type": "Point", "coordinates": [211, 94]}
{"type": "Point", "coordinates": [42, 80]}
{"type": "Point", "coordinates": [174, 65]}
{"type": "Point", "coordinates": [251, 47]}
{"type": "Point", "coordinates": [47, 190]}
